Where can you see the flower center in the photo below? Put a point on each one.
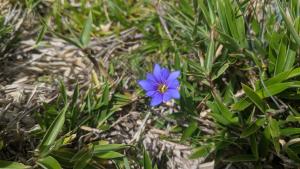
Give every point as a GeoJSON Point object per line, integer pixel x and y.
{"type": "Point", "coordinates": [162, 88]}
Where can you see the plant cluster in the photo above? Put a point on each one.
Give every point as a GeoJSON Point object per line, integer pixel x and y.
{"type": "Point", "coordinates": [238, 85]}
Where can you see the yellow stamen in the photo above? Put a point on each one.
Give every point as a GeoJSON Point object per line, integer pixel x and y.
{"type": "Point", "coordinates": [162, 88]}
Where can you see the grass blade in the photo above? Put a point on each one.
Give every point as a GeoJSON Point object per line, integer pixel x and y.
{"type": "Point", "coordinates": [86, 33]}
{"type": "Point", "coordinates": [52, 133]}
{"type": "Point", "coordinates": [289, 23]}
{"type": "Point", "coordinates": [255, 98]}
{"type": "Point", "coordinates": [49, 163]}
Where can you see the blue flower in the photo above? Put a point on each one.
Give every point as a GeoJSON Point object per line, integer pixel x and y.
{"type": "Point", "coordinates": [161, 86]}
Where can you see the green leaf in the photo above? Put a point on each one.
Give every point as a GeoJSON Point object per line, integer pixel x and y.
{"type": "Point", "coordinates": [64, 156]}
{"type": "Point", "coordinates": [205, 12]}
{"type": "Point", "coordinates": [285, 59]}
{"type": "Point", "coordinates": [216, 114]}
{"type": "Point", "coordinates": [195, 66]}
{"type": "Point", "coordinates": [289, 23]}
{"type": "Point", "coordinates": [274, 128]}
{"type": "Point", "coordinates": [292, 118]}
{"type": "Point", "coordinates": [109, 155]}
{"type": "Point", "coordinates": [41, 33]}
{"type": "Point", "coordinates": [220, 119]}
{"type": "Point", "coordinates": [255, 98]}
{"type": "Point", "coordinates": [80, 153]}
{"type": "Point", "coordinates": [274, 131]}
{"type": "Point", "coordinates": [272, 90]}
{"type": "Point", "coordinates": [53, 131]}
{"type": "Point", "coordinates": [242, 104]}
{"type": "Point", "coordinates": [73, 111]}
{"type": "Point", "coordinates": [283, 76]}
{"type": "Point", "coordinates": [147, 161]}
{"type": "Point", "coordinates": [74, 41]}
{"type": "Point", "coordinates": [104, 104]}
{"type": "Point", "coordinates": [225, 111]}
{"type": "Point", "coordinates": [264, 143]}
{"type": "Point", "coordinates": [229, 41]}
{"type": "Point", "coordinates": [293, 155]}
{"type": "Point", "coordinates": [126, 163]}
{"type": "Point", "coordinates": [83, 160]}
{"type": "Point", "coordinates": [295, 72]}
{"type": "Point", "coordinates": [280, 61]}
{"type": "Point", "coordinates": [49, 163]}
{"type": "Point", "coordinates": [12, 165]}
{"type": "Point", "coordinates": [63, 92]}
{"type": "Point", "coordinates": [231, 19]}
{"type": "Point", "coordinates": [108, 147]}
{"type": "Point", "coordinates": [210, 56]}
{"type": "Point", "coordinates": [251, 129]}
{"type": "Point", "coordinates": [199, 152]}
{"type": "Point", "coordinates": [289, 131]}
{"type": "Point", "coordinates": [290, 59]}
{"type": "Point", "coordinates": [189, 130]}
{"type": "Point", "coordinates": [278, 78]}
{"type": "Point", "coordinates": [222, 16]}
{"type": "Point", "coordinates": [276, 145]}
{"type": "Point", "coordinates": [86, 33]}
{"type": "Point", "coordinates": [105, 96]}
{"type": "Point", "coordinates": [74, 97]}
{"type": "Point", "coordinates": [220, 71]}
{"type": "Point", "coordinates": [254, 146]}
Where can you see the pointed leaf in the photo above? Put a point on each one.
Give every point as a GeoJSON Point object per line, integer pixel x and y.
{"type": "Point", "coordinates": [289, 131]}
{"type": "Point", "coordinates": [147, 161]}
{"type": "Point", "coordinates": [83, 160]}
{"type": "Point", "coordinates": [189, 130]}
{"type": "Point", "coordinates": [86, 34]}
{"type": "Point", "coordinates": [202, 151]}
{"type": "Point", "coordinates": [53, 131]}
{"type": "Point", "coordinates": [108, 147]}
{"type": "Point", "coordinates": [12, 165]}
{"type": "Point", "coordinates": [49, 163]}
{"type": "Point", "coordinates": [255, 98]}
{"type": "Point", "coordinates": [289, 23]}
{"type": "Point", "coordinates": [109, 155]}
{"type": "Point", "coordinates": [126, 163]}
{"type": "Point", "coordinates": [210, 56]}
{"type": "Point", "coordinates": [252, 128]}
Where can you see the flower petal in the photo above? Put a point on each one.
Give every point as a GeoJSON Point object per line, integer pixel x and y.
{"type": "Point", "coordinates": [151, 93]}
{"type": "Point", "coordinates": [147, 85]}
{"type": "Point", "coordinates": [157, 98]}
{"type": "Point", "coordinates": [167, 96]}
{"type": "Point", "coordinates": [157, 72]}
{"type": "Point", "coordinates": [173, 76]}
{"type": "Point", "coordinates": [151, 77]}
{"type": "Point", "coordinates": [173, 84]}
{"type": "Point", "coordinates": [174, 93]}
{"type": "Point", "coordinates": [164, 74]}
